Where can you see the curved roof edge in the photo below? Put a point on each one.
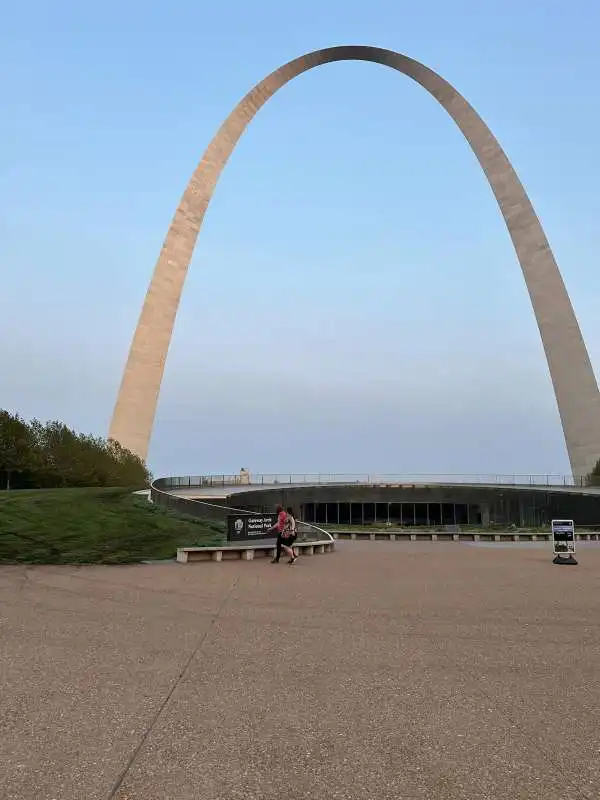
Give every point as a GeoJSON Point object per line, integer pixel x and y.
{"type": "Point", "coordinates": [213, 487]}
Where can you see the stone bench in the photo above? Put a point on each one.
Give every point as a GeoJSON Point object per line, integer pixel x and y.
{"type": "Point", "coordinates": [247, 552]}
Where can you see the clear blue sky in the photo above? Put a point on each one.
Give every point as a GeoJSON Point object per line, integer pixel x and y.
{"type": "Point", "coordinates": [354, 302]}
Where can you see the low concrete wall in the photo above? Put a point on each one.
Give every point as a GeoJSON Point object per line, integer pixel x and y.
{"type": "Point", "coordinates": [186, 505]}
{"type": "Point", "coordinates": [420, 535]}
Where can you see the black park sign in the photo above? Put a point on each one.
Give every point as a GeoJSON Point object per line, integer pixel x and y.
{"type": "Point", "coordinates": [246, 527]}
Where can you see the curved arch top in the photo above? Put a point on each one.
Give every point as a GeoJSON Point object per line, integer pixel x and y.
{"type": "Point", "coordinates": [570, 368]}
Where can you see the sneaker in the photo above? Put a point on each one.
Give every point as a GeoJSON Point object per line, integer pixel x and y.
{"type": "Point", "coordinates": [274, 561]}
{"type": "Point", "coordinates": [292, 560]}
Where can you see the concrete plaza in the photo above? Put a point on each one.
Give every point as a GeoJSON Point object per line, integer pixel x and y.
{"type": "Point", "coordinates": [384, 670]}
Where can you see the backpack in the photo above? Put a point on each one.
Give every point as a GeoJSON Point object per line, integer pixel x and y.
{"type": "Point", "coordinates": [290, 525]}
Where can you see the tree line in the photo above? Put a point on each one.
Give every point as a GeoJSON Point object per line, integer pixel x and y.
{"type": "Point", "coordinates": [34, 455]}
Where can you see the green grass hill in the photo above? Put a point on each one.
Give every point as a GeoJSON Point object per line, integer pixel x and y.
{"type": "Point", "coordinates": [94, 526]}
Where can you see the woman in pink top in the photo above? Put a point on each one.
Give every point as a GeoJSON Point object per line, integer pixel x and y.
{"type": "Point", "coordinates": [279, 527]}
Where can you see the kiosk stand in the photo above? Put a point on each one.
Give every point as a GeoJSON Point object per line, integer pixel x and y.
{"type": "Point", "coordinates": [563, 541]}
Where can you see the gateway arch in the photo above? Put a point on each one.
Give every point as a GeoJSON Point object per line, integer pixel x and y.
{"type": "Point", "coordinates": [570, 368]}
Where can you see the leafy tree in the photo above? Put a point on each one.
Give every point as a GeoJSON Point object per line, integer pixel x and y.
{"type": "Point", "coordinates": [593, 479]}
{"type": "Point", "coordinates": [17, 450]}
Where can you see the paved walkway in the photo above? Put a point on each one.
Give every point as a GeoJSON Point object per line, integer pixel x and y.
{"type": "Point", "coordinates": [386, 671]}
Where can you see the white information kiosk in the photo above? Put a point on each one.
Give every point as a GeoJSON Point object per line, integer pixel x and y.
{"type": "Point", "coordinates": [563, 541]}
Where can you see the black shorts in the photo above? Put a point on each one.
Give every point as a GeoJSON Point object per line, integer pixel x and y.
{"type": "Point", "coordinates": [288, 541]}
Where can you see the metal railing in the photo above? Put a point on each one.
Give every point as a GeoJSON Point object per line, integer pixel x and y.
{"type": "Point", "coordinates": [370, 479]}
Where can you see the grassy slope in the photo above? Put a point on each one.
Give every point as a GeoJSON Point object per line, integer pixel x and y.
{"type": "Point", "coordinates": [84, 526]}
